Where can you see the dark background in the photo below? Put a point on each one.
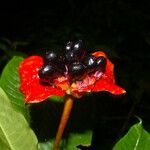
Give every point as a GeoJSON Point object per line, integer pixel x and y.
{"type": "Point", "coordinates": [121, 28]}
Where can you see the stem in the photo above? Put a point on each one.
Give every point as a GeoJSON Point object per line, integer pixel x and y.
{"type": "Point", "coordinates": [64, 119]}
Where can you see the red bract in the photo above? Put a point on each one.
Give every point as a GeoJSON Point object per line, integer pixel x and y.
{"type": "Point", "coordinates": [35, 91]}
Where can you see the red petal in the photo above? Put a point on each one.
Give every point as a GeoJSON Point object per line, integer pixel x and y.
{"type": "Point", "coordinates": [31, 87]}
{"type": "Point", "coordinates": [99, 53]}
{"type": "Point", "coordinates": [103, 85]}
{"type": "Point", "coordinates": [28, 71]}
{"type": "Point", "coordinates": [107, 81]}
{"type": "Point", "coordinates": [37, 92]}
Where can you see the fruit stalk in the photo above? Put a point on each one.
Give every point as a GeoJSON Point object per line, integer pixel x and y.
{"type": "Point", "coordinates": [63, 122]}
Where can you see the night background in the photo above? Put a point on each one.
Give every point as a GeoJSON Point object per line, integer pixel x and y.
{"type": "Point", "coordinates": [120, 28]}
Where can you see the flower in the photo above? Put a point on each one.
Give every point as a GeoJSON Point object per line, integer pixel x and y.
{"type": "Point", "coordinates": [35, 91]}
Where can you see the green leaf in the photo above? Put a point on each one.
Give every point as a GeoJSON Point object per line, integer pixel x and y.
{"type": "Point", "coordinates": [45, 146]}
{"type": "Point", "coordinates": [71, 142]}
{"type": "Point", "coordinates": [56, 98]}
{"type": "Point", "coordinates": [15, 133]}
{"type": "Point", "coordinates": [136, 139]}
{"type": "Point", "coordinates": [10, 84]}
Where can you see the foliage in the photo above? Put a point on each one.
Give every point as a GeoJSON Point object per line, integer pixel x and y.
{"type": "Point", "coordinates": [120, 28]}
{"type": "Point", "coordinates": [10, 82]}
{"type": "Point", "coordinates": [15, 133]}
{"type": "Point", "coordinates": [136, 138]}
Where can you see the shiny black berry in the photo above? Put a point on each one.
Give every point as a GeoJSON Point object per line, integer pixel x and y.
{"type": "Point", "coordinates": [79, 49]}
{"type": "Point", "coordinates": [69, 46]}
{"type": "Point", "coordinates": [90, 63]}
{"type": "Point", "coordinates": [50, 56]}
{"type": "Point", "coordinates": [70, 57]}
{"type": "Point", "coordinates": [76, 71]}
{"type": "Point", "coordinates": [101, 63]}
{"type": "Point", "coordinates": [79, 45]}
{"type": "Point", "coordinates": [48, 72]}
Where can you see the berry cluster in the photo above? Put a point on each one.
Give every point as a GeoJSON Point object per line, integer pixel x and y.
{"type": "Point", "coordinates": [73, 64]}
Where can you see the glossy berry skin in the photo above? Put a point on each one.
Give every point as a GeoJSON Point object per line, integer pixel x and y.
{"type": "Point", "coordinates": [101, 63]}
{"type": "Point", "coordinates": [79, 45]}
{"type": "Point", "coordinates": [60, 64]}
{"type": "Point", "coordinates": [76, 71]}
{"type": "Point", "coordinates": [69, 46]}
{"type": "Point", "coordinates": [90, 63]}
{"type": "Point", "coordinates": [70, 57]}
{"type": "Point", "coordinates": [48, 72]}
{"type": "Point", "coordinates": [50, 56]}
{"type": "Point", "coordinates": [79, 49]}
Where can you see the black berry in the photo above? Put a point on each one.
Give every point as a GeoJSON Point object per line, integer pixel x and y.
{"type": "Point", "coordinates": [48, 72]}
{"type": "Point", "coordinates": [76, 71]}
{"type": "Point", "coordinates": [79, 45]}
{"type": "Point", "coordinates": [69, 46]}
{"type": "Point", "coordinates": [101, 63]}
{"type": "Point", "coordinates": [70, 57]}
{"type": "Point", "coordinates": [79, 49]}
{"type": "Point", "coordinates": [50, 56]}
{"type": "Point", "coordinates": [90, 63]}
